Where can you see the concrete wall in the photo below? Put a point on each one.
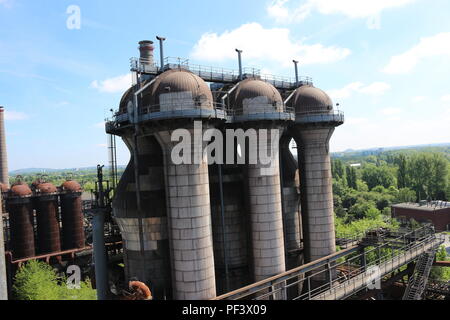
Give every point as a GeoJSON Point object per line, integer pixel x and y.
{"type": "Point", "coordinates": [189, 220]}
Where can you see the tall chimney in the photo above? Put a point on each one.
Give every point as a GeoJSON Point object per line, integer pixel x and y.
{"type": "Point", "coordinates": [146, 57]}
{"type": "Point", "coordinates": [4, 176]}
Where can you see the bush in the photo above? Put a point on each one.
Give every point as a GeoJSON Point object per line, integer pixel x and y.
{"type": "Point", "coordinates": [38, 281]}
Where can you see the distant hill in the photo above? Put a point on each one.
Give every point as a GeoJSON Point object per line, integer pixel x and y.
{"type": "Point", "coordinates": [51, 170]}
{"type": "Point", "coordinates": [374, 151]}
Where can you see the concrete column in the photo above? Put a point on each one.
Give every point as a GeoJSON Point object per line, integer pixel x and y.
{"type": "Point", "coordinates": [266, 218]}
{"type": "Point", "coordinates": [3, 275]}
{"type": "Point", "coordinates": [189, 220]}
{"type": "Point", "coordinates": [316, 192]}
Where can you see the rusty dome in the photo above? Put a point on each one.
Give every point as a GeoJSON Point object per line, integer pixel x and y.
{"type": "Point", "coordinates": [71, 186]}
{"type": "Point", "coordinates": [21, 189]}
{"type": "Point", "coordinates": [309, 99]}
{"type": "Point", "coordinates": [46, 187]}
{"type": "Point", "coordinates": [256, 96]}
{"type": "Point", "coordinates": [179, 88]}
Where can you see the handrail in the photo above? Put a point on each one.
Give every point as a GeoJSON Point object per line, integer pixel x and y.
{"type": "Point", "coordinates": [277, 283]}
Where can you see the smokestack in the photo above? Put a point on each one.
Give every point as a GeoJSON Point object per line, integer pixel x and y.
{"type": "Point", "coordinates": [146, 54]}
{"type": "Point", "coordinates": [4, 176]}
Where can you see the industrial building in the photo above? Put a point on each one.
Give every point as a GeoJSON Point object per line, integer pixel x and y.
{"type": "Point", "coordinates": [435, 212]}
{"type": "Point", "coordinates": [195, 231]}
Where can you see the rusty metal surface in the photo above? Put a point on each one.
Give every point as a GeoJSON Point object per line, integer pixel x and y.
{"type": "Point", "coordinates": [20, 190]}
{"type": "Point", "coordinates": [71, 186]}
{"type": "Point", "coordinates": [48, 233]}
{"type": "Point", "coordinates": [21, 228]}
{"type": "Point", "coordinates": [72, 216]}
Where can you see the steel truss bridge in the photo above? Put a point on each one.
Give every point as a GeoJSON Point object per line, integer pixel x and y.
{"type": "Point", "coordinates": [360, 266]}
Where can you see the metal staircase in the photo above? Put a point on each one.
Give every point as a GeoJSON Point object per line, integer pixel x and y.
{"type": "Point", "coordinates": [418, 282]}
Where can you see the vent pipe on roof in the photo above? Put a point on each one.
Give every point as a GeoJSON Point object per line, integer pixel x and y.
{"type": "Point", "coordinates": [296, 72]}
{"type": "Point", "coordinates": [240, 63]}
{"type": "Point", "coordinates": [161, 50]}
{"type": "Point", "coordinates": [4, 176]}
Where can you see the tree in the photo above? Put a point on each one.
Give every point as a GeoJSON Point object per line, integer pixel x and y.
{"type": "Point", "coordinates": [38, 281]}
{"type": "Point", "coordinates": [351, 177]}
{"type": "Point", "coordinates": [378, 176]}
{"type": "Point", "coordinates": [402, 172]}
{"type": "Point", "coordinates": [428, 174]}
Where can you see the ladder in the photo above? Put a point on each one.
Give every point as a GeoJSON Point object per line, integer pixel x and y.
{"type": "Point", "coordinates": [418, 282]}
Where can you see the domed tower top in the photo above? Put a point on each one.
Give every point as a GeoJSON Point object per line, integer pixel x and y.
{"type": "Point", "coordinates": [253, 96]}
{"type": "Point", "coordinates": [179, 89]}
{"type": "Point", "coordinates": [21, 189]}
{"type": "Point", "coordinates": [71, 186]}
{"type": "Point", "coordinates": [46, 187]}
{"type": "Point", "coordinates": [311, 100]}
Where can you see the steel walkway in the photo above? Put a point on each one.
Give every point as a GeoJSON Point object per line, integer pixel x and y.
{"type": "Point", "coordinates": [364, 264]}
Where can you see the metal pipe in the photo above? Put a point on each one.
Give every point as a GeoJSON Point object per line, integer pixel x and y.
{"type": "Point", "coordinates": [100, 258]}
{"type": "Point", "coordinates": [296, 71]}
{"type": "Point", "coordinates": [224, 238]}
{"type": "Point", "coordinates": [161, 50]}
{"type": "Point", "coordinates": [240, 63]}
{"type": "Point", "coordinates": [3, 274]}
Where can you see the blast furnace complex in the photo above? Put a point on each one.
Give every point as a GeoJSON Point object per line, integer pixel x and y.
{"type": "Point", "coordinates": [198, 230]}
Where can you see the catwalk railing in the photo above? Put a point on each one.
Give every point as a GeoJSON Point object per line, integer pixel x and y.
{"type": "Point", "coordinates": [324, 280]}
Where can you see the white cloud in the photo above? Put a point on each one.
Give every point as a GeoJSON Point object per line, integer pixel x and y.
{"type": "Point", "coordinates": [6, 3]}
{"type": "Point", "coordinates": [391, 111]}
{"type": "Point", "coordinates": [356, 121]}
{"type": "Point", "coordinates": [113, 85]}
{"type": "Point", "coordinates": [446, 98]}
{"type": "Point", "coordinates": [371, 9]}
{"type": "Point", "coordinates": [259, 43]}
{"type": "Point", "coordinates": [374, 89]}
{"type": "Point", "coordinates": [15, 115]}
{"type": "Point", "coordinates": [100, 125]}
{"type": "Point", "coordinates": [434, 46]}
{"type": "Point", "coordinates": [418, 99]}
{"type": "Point", "coordinates": [102, 145]}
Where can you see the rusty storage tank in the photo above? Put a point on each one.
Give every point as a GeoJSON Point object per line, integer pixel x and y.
{"type": "Point", "coordinates": [47, 218]}
{"type": "Point", "coordinates": [71, 215]}
{"type": "Point", "coordinates": [20, 209]}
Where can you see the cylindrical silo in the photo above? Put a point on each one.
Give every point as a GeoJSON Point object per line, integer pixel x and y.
{"type": "Point", "coordinates": [315, 123]}
{"type": "Point", "coordinates": [183, 95]}
{"type": "Point", "coordinates": [257, 105]}
{"type": "Point", "coordinates": [20, 210]}
{"type": "Point", "coordinates": [72, 232]}
{"type": "Point", "coordinates": [150, 264]}
{"type": "Point", "coordinates": [47, 218]}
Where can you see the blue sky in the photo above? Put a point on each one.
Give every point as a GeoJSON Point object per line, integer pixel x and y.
{"type": "Point", "coordinates": [385, 62]}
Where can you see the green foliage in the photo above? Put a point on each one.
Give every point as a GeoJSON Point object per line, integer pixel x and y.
{"type": "Point", "coordinates": [378, 176]}
{"type": "Point", "coordinates": [441, 273]}
{"type": "Point", "coordinates": [363, 225]}
{"type": "Point", "coordinates": [38, 281]}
